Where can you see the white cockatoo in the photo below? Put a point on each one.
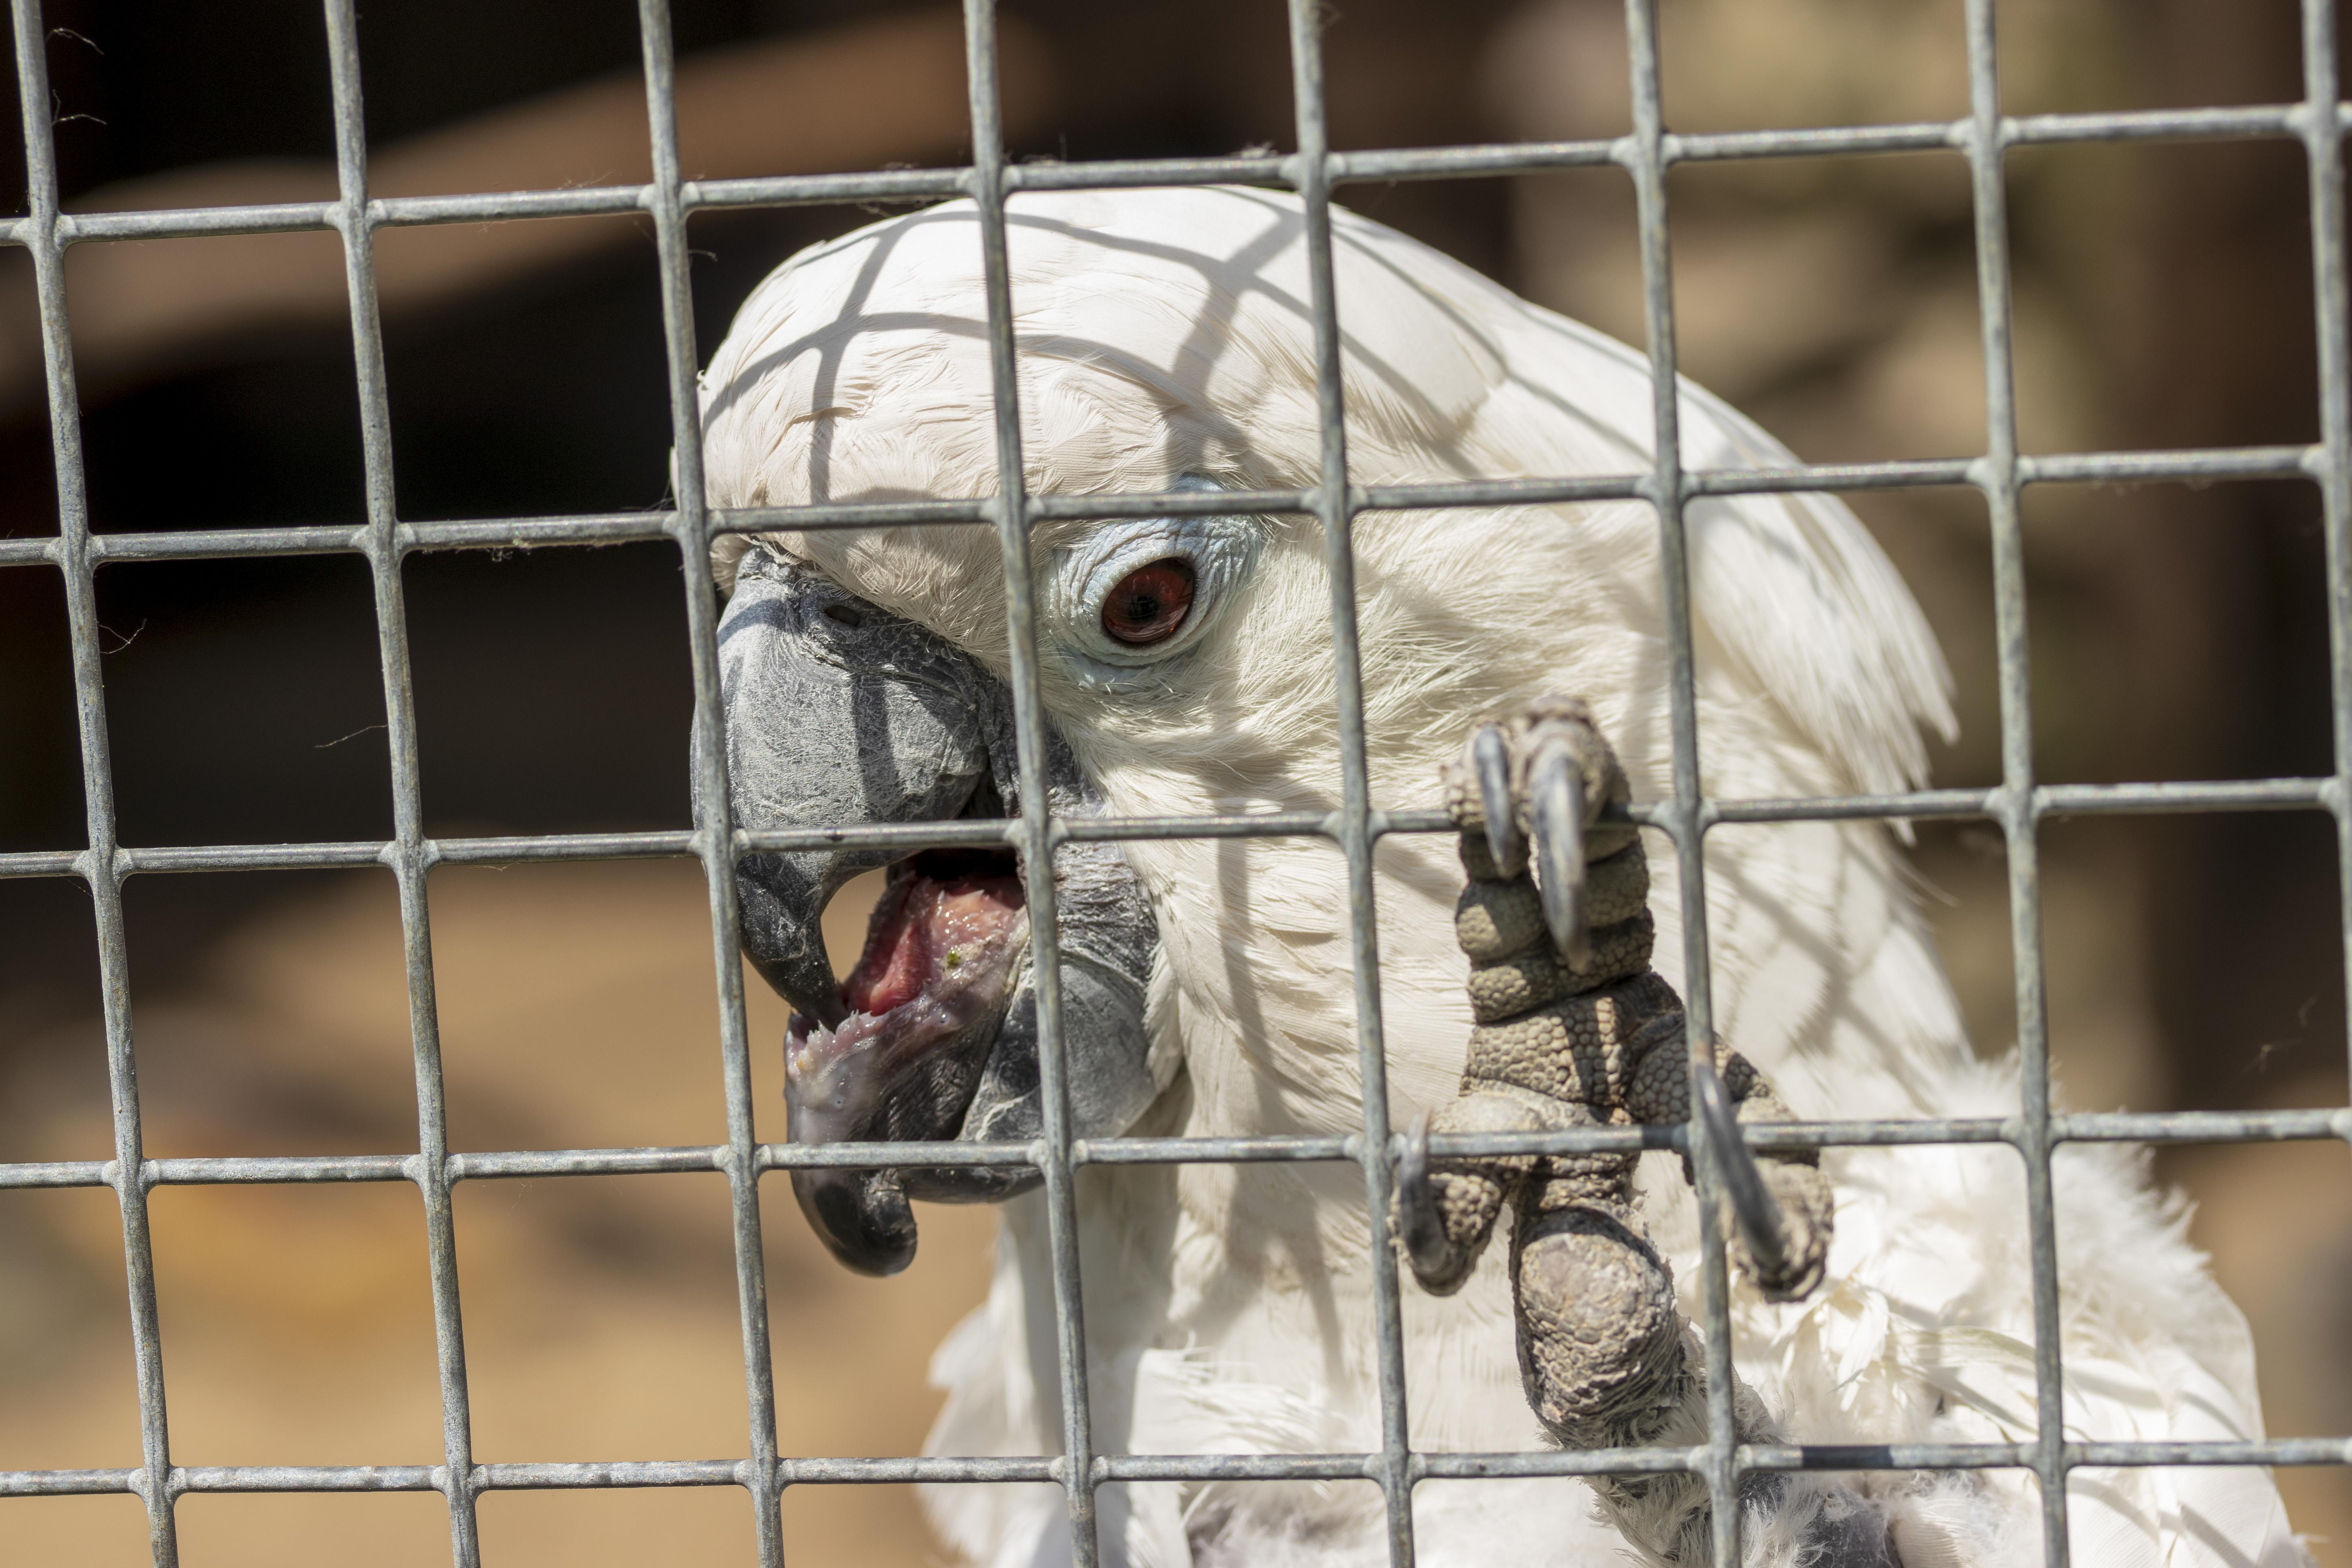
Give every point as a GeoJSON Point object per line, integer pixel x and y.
{"type": "Point", "coordinates": [1165, 342]}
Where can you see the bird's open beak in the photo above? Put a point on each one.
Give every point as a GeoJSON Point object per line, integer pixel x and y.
{"type": "Point", "coordinates": [839, 713]}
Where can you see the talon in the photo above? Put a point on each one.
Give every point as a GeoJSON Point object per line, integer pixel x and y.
{"type": "Point", "coordinates": [1490, 756]}
{"type": "Point", "coordinates": [1556, 787]}
{"type": "Point", "coordinates": [1419, 1225]}
{"type": "Point", "coordinates": [1752, 1205]}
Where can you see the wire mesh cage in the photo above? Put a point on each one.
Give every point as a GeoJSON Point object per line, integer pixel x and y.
{"type": "Point", "coordinates": [2018, 806]}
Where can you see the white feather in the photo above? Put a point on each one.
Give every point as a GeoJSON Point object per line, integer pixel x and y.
{"type": "Point", "coordinates": [1163, 333]}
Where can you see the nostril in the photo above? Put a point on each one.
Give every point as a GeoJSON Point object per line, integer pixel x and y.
{"type": "Point", "coordinates": [844, 616]}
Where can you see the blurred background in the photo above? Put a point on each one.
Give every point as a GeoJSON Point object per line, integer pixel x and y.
{"type": "Point", "coordinates": [2163, 299]}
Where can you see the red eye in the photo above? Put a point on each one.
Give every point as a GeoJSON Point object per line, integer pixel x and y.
{"type": "Point", "coordinates": [1150, 603]}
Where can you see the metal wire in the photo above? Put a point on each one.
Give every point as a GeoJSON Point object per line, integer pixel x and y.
{"type": "Point", "coordinates": [713, 814]}
{"type": "Point", "coordinates": [2018, 804]}
{"type": "Point", "coordinates": [1033, 834]}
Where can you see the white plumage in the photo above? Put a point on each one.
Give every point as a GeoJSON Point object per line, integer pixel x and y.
{"type": "Point", "coordinates": [1165, 334]}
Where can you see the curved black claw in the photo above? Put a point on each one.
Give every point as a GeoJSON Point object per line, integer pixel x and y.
{"type": "Point", "coordinates": [1419, 1225]}
{"type": "Point", "coordinates": [1761, 1222]}
{"type": "Point", "coordinates": [1556, 792]}
{"type": "Point", "coordinates": [1490, 758]}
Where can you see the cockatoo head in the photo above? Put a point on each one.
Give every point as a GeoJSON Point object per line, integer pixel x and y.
{"type": "Point", "coordinates": [1164, 343]}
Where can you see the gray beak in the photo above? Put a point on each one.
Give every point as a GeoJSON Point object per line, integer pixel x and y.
{"type": "Point", "coordinates": [838, 713]}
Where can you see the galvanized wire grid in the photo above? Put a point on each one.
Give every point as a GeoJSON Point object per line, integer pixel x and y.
{"type": "Point", "coordinates": [2018, 804]}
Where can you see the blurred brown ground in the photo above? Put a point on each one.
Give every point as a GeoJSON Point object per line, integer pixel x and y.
{"type": "Point", "coordinates": [578, 1010]}
{"type": "Point", "coordinates": [2163, 297]}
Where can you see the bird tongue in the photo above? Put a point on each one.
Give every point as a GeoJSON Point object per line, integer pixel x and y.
{"type": "Point", "coordinates": [925, 1001]}
{"type": "Point", "coordinates": [938, 957]}
{"type": "Point", "coordinates": [948, 909]}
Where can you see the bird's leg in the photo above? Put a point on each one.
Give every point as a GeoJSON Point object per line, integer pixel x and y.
{"type": "Point", "coordinates": [1572, 1027]}
{"type": "Point", "coordinates": [1447, 1209]}
{"type": "Point", "coordinates": [1600, 1342]}
{"type": "Point", "coordinates": [1529, 799]}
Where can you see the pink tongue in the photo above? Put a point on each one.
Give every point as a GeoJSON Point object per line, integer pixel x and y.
{"type": "Point", "coordinates": [921, 931]}
{"type": "Point", "coordinates": [895, 962]}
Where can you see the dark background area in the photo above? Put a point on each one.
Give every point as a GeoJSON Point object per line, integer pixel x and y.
{"type": "Point", "coordinates": [2163, 300]}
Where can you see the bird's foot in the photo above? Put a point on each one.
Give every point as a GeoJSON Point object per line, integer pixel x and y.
{"type": "Point", "coordinates": [1572, 1022]}
{"type": "Point", "coordinates": [1575, 1030]}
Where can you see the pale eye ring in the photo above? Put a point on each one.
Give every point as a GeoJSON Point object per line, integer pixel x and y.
{"type": "Point", "coordinates": [1150, 603]}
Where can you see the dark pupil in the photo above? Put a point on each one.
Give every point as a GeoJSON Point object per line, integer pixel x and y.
{"type": "Point", "coordinates": [1150, 603]}
{"type": "Point", "coordinates": [1141, 605]}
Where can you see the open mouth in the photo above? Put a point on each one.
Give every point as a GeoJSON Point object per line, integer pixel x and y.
{"type": "Point", "coordinates": [838, 710]}
{"type": "Point", "coordinates": [940, 953]}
